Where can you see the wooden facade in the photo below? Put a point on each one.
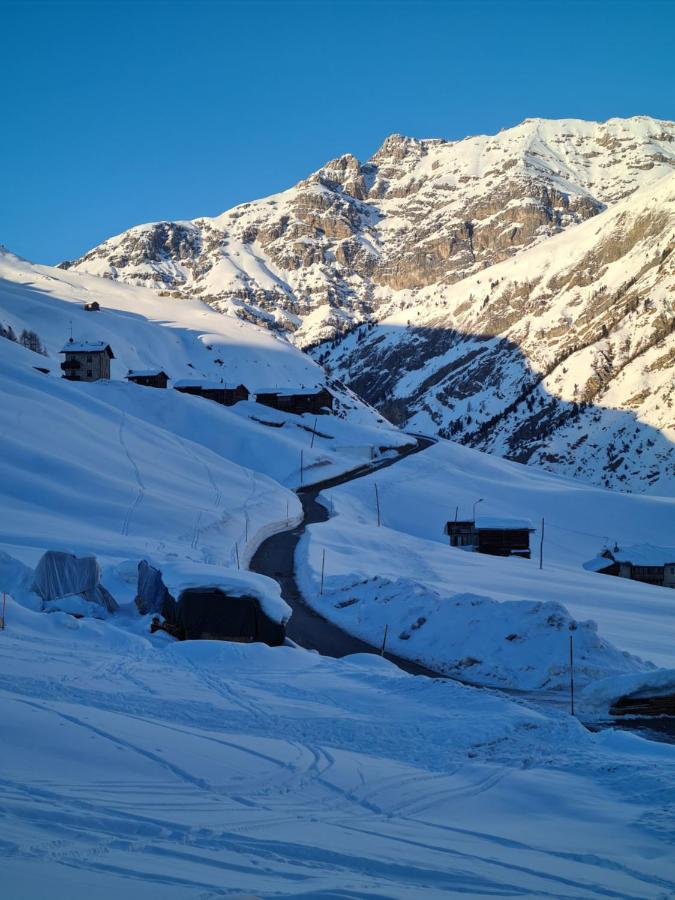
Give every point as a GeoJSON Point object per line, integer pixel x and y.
{"type": "Point", "coordinates": [87, 361]}
{"type": "Point", "coordinates": [644, 564]}
{"type": "Point", "coordinates": [496, 537]}
{"type": "Point", "coordinates": [219, 392]}
{"type": "Point", "coordinates": [297, 400]}
{"type": "Point", "coordinates": [155, 378]}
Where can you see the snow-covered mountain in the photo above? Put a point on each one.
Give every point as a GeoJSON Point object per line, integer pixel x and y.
{"type": "Point", "coordinates": [394, 242]}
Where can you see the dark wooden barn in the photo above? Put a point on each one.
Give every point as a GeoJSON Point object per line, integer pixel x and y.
{"type": "Point", "coordinates": [494, 535]}
{"type": "Point", "coordinates": [316, 400]}
{"type": "Point", "coordinates": [643, 562]}
{"type": "Point", "coordinates": [86, 360]}
{"type": "Point", "coordinates": [205, 612]}
{"type": "Point", "coordinates": [218, 391]}
{"type": "Point", "coordinates": [148, 377]}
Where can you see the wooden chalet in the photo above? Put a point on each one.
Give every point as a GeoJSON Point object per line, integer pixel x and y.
{"type": "Point", "coordinates": [316, 400]}
{"type": "Point", "coordinates": [87, 360]}
{"type": "Point", "coordinates": [494, 535]}
{"type": "Point", "coordinates": [148, 377]}
{"type": "Point", "coordinates": [218, 391]}
{"type": "Point", "coordinates": [643, 562]}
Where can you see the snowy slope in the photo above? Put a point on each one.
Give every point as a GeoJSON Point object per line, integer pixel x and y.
{"type": "Point", "coordinates": [486, 619]}
{"type": "Point", "coordinates": [140, 768]}
{"type": "Point", "coordinates": [125, 471]}
{"type": "Point", "coordinates": [562, 356]}
{"type": "Point", "coordinates": [404, 240]}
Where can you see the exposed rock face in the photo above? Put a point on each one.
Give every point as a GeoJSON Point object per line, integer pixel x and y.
{"type": "Point", "coordinates": [411, 242]}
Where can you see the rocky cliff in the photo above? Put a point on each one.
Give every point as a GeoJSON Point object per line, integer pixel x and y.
{"type": "Point", "coordinates": [460, 286]}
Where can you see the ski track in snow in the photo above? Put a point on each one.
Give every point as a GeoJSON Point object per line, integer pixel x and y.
{"type": "Point", "coordinates": [137, 476]}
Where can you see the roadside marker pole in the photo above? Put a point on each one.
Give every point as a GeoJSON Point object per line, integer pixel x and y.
{"type": "Point", "coordinates": [572, 673]}
{"type": "Point", "coordinates": [541, 546]}
{"type": "Point", "coordinates": [384, 640]}
{"type": "Point", "coordinates": [377, 501]}
{"type": "Point", "coordinates": [323, 568]}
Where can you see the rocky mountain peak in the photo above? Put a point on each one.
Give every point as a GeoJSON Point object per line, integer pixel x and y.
{"type": "Point", "coordinates": [357, 243]}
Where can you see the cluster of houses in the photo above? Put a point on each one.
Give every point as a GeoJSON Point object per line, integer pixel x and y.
{"type": "Point", "coordinates": [90, 361]}
{"type": "Point", "coordinates": [643, 562]}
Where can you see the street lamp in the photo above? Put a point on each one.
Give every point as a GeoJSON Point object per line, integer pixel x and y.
{"type": "Point", "coordinates": [474, 507]}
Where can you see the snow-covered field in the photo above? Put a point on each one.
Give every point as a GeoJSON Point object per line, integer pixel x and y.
{"type": "Point", "coordinates": [488, 619]}
{"type": "Point", "coordinates": [133, 764]}
{"type": "Point", "coordinates": [138, 767]}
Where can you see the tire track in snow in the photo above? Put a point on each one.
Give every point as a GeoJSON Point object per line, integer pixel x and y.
{"type": "Point", "coordinates": [139, 481]}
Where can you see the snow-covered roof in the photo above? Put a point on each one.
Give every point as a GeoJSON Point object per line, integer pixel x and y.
{"type": "Point", "coordinates": [644, 555]}
{"type": "Point", "coordinates": [87, 347]}
{"type": "Point", "coordinates": [180, 576]}
{"type": "Point", "coordinates": [598, 564]}
{"type": "Point", "coordinates": [206, 385]}
{"type": "Point", "coordinates": [145, 373]}
{"type": "Point", "coordinates": [292, 392]}
{"type": "Point", "coordinates": [500, 523]}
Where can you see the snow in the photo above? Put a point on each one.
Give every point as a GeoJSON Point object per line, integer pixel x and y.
{"type": "Point", "coordinates": [644, 555]}
{"type": "Point", "coordinates": [136, 765]}
{"type": "Point", "coordinates": [597, 697]}
{"type": "Point", "coordinates": [133, 764]}
{"type": "Point", "coordinates": [487, 619]}
{"type": "Point", "coordinates": [180, 576]}
{"type": "Point", "coordinates": [502, 523]}
{"type": "Point", "coordinates": [85, 347]}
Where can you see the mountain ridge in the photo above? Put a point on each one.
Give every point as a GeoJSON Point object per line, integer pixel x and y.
{"type": "Point", "coordinates": [357, 243]}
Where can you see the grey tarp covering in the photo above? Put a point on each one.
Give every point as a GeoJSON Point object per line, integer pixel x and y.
{"type": "Point", "coordinates": [61, 574]}
{"type": "Point", "coordinates": [151, 594]}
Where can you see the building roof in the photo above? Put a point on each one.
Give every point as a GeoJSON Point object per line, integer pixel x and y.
{"type": "Point", "coordinates": [644, 555]}
{"type": "Point", "coordinates": [145, 373]}
{"type": "Point", "coordinates": [207, 385]}
{"type": "Point", "coordinates": [598, 564]}
{"type": "Point", "coordinates": [88, 347]}
{"type": "Point", "coordinates": [293, 391]}
{"type": "Point", "coordinates": [502, 523]}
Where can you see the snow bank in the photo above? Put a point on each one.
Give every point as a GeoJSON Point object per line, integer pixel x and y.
{"type": "Point", "coordinates": [596, 699]}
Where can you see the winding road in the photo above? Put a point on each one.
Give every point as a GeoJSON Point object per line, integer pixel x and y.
{"type": "Point", "coordinates": [276, 558]}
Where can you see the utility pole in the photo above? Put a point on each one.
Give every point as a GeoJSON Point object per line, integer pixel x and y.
{"type": "Point", "coordinates": [456, 512]}
{"type": "Point", "coordinates": [377, 503]}
{"type": "Point", "coordinates": [323, 568]}
{"type": "Point", "coordinates": [316, 419]}
{"type": "Point", "coordinates": [541, 546]}
{"type": "Point", "coordinates": [236, 552]}
{"type": "Point", "coordinates": [384, 640]}
{"type": "Point", "coordinates": [572, 673]}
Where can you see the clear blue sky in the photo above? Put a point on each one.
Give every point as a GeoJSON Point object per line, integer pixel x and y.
{"type": "Point", "coordinates": [118, 113]}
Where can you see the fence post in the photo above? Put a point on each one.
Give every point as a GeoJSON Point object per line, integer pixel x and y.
{"type": "Point", "coordinates": [541, 546]}
{"type": "Point", "coordinates": [384, 640]}
{"type": "Point", "coordinates": [572, 673]}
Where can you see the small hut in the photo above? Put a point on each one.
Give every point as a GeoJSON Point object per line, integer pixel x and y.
{"type": "Point", "coordinates": [218, 391]}
{"type": "Point", "coordinates": [211, 605]}
{"type": "Point", "coordinates": [316, 400]}
{"type": "Point", "coordinates": [93, 306]}
{"type": "Point", "coordinates": [494, 535]}
{"type": "Point", "coordinates": [155, 378]}
{"type": "Point", "coordinates": [87, 360]}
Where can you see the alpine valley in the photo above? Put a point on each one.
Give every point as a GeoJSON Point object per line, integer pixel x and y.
{"type": "Point", "coordinates": [512, 292]}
